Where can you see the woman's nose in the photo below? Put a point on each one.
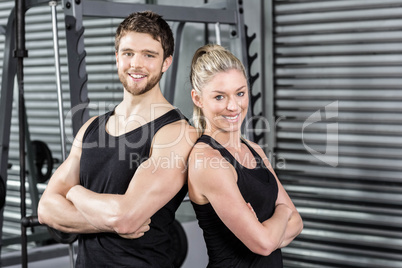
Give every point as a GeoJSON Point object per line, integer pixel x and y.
{"type": "Point", "coordinates": [232, 104]}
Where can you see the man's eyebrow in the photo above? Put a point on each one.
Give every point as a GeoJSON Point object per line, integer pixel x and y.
{"type": "Point", "coordinates": [151, 51]}
{"type": "Point", "coordinates": [125, 49]}
{"type": "Point", "coordinates": [143, 51]}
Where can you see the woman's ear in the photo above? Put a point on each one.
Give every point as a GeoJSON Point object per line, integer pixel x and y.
{"type": "Point", "coordinates": [196, 98]}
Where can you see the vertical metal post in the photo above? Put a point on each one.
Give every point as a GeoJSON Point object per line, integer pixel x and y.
{"type": "Point", "coordinates": [20, 53]}
{"type": "Point", "coordinates": [78, 76]}
{"type": "Point", "coordinates": [218, 33]}
{"type": "Point", "coordinates": [53, 5]}
{"type": "Point", "coordinates": [171, 78]}
{"type": "Point", "coordinates": [268, 79]}
{"type": "Point", "coordinates": [7, 84]}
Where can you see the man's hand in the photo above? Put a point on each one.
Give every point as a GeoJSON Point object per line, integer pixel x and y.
{"type": "Point", "coordinates": [140, 232]}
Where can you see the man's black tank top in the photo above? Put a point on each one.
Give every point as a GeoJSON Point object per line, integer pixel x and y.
{"type": "Point", "coordinates": [257, 186]}
{"type": "Point", "coordinates": [108, 164]}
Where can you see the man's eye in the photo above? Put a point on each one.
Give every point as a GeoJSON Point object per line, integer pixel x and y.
{"type": "Point", "coordinates": [240, 94]}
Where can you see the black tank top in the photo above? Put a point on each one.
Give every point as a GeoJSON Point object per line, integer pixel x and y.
{"type": "Point", "coordinates": [108, 164]}
{"type": "Point", "coordinates": [257, 186]}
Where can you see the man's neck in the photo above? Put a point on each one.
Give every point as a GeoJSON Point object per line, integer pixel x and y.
{"type": "Point", "coordinates": [149, 105]}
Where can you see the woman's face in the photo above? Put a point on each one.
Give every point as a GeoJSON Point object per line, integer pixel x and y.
{"type": "Point", "coordinates": [224, 101]}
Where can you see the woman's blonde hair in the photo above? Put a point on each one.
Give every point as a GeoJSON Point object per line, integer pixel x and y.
{"type": "Point", "coordinates": [208, 61]}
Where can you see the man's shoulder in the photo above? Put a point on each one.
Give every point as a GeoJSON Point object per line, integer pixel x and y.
{"type": "Point", "coordinates": [176, 135]}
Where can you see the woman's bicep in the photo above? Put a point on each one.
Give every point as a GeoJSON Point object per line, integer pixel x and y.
{"type": "Point", "coordinates": [221, 190]}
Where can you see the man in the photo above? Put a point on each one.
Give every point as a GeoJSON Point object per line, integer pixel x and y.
{"type": "Point", "coordinates": [126, 172]}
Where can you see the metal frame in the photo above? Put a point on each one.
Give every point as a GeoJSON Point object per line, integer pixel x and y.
{"type": "Point", "coordinates": [268, 80]}
{"type": "Point", "coordinates": [228, 12]}
{"type": "Point", "coordinates": [7, 87]}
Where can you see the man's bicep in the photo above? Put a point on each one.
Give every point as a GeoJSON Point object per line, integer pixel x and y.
{"type": "Point", "coordinates": [67, 174]}
{"type": "Point", "coordinates": [65, 177]}
{"type": "Point", "coordinates": [164, 173]}
{"type": "Point", "coordinates": [158, 179]}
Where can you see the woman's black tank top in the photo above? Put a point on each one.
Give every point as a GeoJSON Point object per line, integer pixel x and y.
{"type": "Point", "coordinates": [257, 186]}
{"type": "Point", "coordinates": [108, 164]}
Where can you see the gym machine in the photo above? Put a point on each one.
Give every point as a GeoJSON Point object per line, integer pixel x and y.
{"type": "Point", "coordinates": [228, 12]}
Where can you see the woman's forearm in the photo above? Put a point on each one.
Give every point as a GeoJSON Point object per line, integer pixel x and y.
{"type": "Point", "coordinates": [277, 224]}
{"type": "Point", "coordinates": [293, 229]}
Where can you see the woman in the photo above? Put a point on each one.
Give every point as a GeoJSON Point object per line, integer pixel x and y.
{"type": "Point", "coordinates": [245, 213]}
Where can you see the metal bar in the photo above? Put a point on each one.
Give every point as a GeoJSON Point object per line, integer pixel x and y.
{"type": "Point", "coordinates": [9, 71]}
{"type": "Point", "coordinates": [218, 33]}
{"type": "Point", "coordinates": [341, 42]}
{"type": "Point", "coordinates": [20, 53]}
{"type": "Point", "coordinates": [341, 8]}
{"type": "Point", "coordinates": [169, 13]}
{"type": "Point", "coordinates": [6, 103]}
{"type": "Point", "coordinates": [171, 79]}
{"type": "Point", "coordinates": [340, 64]}
{"type": "Point", "coordinates": [284, 33]}
{"type": "Point", "coordinates": [53, 5]}
{"type": "Point", "coordinates": [32, 172]}
{"type": "Point", "coordinates": [334, 20]}
{"type": "Point", "coordinates": [78, 76]}
{"type": "Point", "coordinates": [267, 54]}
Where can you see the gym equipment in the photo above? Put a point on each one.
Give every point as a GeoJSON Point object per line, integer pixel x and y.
{"type": "Point", "coordinates": [20, 53]}
{"type": "Point", "coordinates": [43, 159]}
{"type": "Point", "coordinates": [64, 238]}
{"type": "Point", "coordinates": [56, 234]}
{"type": "Point", "coordinates": [228, 12]}
{"type": "Point", "coordinates": [2, 193]}
{"type": "Point", "coordinates": [180, 245]}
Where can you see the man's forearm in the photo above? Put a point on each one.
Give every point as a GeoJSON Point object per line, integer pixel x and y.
{"type": "Point", "coordinates": [95, 208]}
{"type": "Point", "coordinates": [59, 213]}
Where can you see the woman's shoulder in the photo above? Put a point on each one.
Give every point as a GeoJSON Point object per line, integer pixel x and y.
{"type": "Point", "coordinates": [254, 145]}
{"type": "Point", "coordinates": [208, 172]}
{"type": "Point", "coordinates": [204, 152]}
{"type": "Point", "coordinates": [260, 151]}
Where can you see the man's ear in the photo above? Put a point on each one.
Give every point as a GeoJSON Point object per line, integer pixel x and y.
{"type": "Point", "coordinates": [196, 98]}
{"type": "Point", "coordinates": [117, 59]}
{"type": "Point", "coordinates": [166, 63]}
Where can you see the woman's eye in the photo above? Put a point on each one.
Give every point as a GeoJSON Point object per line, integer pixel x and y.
{"type": "Point", "coordinates": [219, 97]}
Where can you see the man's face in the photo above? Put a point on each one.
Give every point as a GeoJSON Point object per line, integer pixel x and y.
{"type": "Point", "coordinates": [140, 62]}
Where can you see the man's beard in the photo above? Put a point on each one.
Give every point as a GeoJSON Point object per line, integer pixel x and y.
{"type": "Point", "coordinates": [135, 90]}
